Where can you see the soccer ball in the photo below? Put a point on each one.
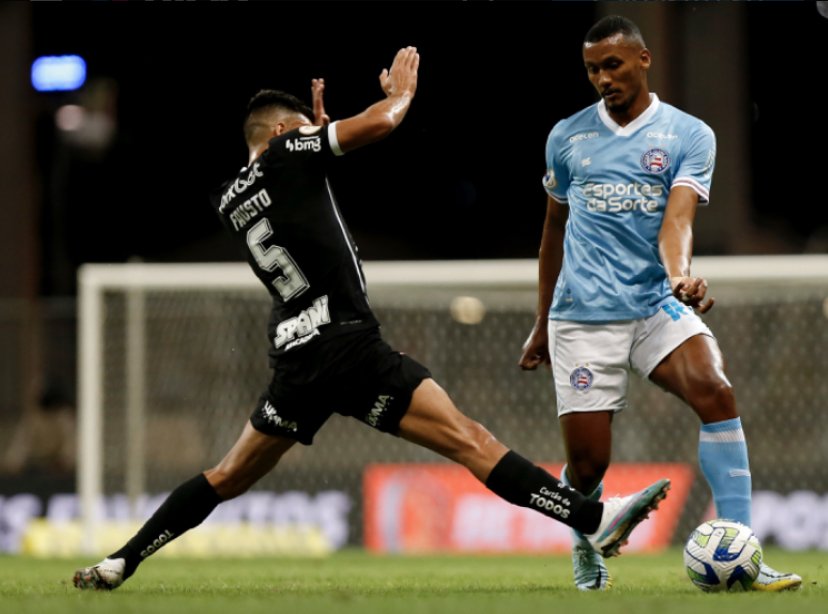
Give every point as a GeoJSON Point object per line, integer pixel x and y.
{"type": "Point", "coordinates": [722, 555]}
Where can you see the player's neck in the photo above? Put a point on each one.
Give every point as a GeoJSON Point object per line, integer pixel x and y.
{"type": "Point", "coordinates": [254, 154]}
{"type": "Point", "coordinates": [639, 105]}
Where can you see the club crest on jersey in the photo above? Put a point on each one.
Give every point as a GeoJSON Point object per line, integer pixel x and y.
{"type": "Point", "coordinates": [655, 161]}
{"type": "Point", "coordinates": [581, 378]}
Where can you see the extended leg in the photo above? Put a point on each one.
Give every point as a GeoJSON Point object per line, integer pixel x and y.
{"type": "Point", "coordinates": [252, 456]}
{"type": "Point", "coordinates": [433, 421]}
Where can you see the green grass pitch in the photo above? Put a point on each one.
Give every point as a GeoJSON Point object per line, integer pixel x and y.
{"type": "Point", "coordinates": [357, 582]}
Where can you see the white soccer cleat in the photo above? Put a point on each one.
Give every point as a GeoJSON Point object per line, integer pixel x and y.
{"type": "Point", "coordinates": [105, 576]}
{"type": "Point", "coordinates": [590, 571]}
{"type": "Point", "coordinates": [772, 581]}
{"type": "Point", "coordinates": [622, 514]}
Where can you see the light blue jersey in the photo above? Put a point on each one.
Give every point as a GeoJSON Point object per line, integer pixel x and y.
{"type": "Point", "coordinates": [616, 181]}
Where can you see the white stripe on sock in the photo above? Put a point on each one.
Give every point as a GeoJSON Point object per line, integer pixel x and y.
{"type": "Point", "coordinates": [734, 436]}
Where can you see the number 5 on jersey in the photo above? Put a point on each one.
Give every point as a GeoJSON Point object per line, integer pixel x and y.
{"type": "Point", "coordinates": [292, 282]}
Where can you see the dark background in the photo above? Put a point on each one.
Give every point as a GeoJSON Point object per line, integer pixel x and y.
{"type": "Point", "coordinates": [459, 179]}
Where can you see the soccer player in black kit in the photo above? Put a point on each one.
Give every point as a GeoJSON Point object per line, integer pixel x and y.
{"type": "Point", "coordinates": [326, 350]}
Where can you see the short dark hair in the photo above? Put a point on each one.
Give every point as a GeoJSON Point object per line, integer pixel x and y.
{"type": "Point", "coordinates": [611, 25]}
{"type": "Point", "coordinates": [271, 100]}
{"type": "Point", "coordinates": [278, 99]}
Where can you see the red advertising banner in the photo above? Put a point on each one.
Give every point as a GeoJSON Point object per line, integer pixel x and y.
{"type": "Point", "coordinates": [418, 508]}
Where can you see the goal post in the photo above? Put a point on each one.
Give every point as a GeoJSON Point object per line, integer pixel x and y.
{"type": "Point", "coordinates": [171, 356]}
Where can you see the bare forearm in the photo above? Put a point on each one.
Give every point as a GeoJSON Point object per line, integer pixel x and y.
{"type": "Point", "coordinates": [550, 257]}
{"type": "Point", "coordinates": [374, 123]}
{"type": "Point", "coordinates": [387, 114]}
{"type": "Point", "coordinates": [675, 244]}
{"type": "Point", "coordinates": [675, 239]}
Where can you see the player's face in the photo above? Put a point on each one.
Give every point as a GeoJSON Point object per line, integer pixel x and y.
{"type": "Point", "coordinates": [617, 68]}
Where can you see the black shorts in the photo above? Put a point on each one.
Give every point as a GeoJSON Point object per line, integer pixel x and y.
{"type": "Point", "coordinates": [356, 375]}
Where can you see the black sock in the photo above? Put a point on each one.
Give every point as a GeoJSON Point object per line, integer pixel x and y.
{"type": "Point", "coordinates": [521, 482]}
{"type": "Point", "coordinates": [185, 508]}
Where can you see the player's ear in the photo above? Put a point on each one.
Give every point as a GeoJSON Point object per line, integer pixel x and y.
{"type": "Point", "coordinates": [645, 59]}
{"type": "Point", "coordinates": [277, 129]}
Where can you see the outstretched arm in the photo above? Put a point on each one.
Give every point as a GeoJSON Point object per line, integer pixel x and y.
{"type": "Point", "coordinates": [381, 118]}
{"type": "Point", "coordinates": [675, 244]}
{"type": "Point", "coordinates": [550, 259]}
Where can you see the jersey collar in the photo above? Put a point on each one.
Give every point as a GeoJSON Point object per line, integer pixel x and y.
{"type": "Point", "coordinates": [635, 124]}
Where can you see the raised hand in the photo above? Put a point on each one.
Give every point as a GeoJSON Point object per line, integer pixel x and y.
{"type": "Point", "coordinates": [320, 118]}
{"type": "Point", "coordinates": [401, 79]}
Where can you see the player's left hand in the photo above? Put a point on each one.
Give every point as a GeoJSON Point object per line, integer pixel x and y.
{"type": "Point", "coordinates": [692, 291]}
{"type": "Point", "coordinates": [536, 347]}
{"type": "Point", "coordinates": [320, 118]}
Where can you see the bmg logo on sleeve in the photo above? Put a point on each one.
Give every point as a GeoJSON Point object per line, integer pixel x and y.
{"type": "Point", "coordinates": [304, 143]}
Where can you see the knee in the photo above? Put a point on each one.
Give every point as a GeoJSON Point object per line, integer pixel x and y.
{"type": "Point", "coordinates": [473, 442]}
{"type": "Point", "coordinates": [714, 400]}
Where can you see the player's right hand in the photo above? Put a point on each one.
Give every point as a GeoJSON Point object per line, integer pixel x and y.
{"type": "Point", "coordinates": [536, 347]}
{"type": "Point", "coordinates": [401, 79]}
{"type": "Point", "coordinates": [692, 291]}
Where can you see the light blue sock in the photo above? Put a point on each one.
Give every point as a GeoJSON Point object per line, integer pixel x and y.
{"type": "Point", "coordinates": [723, 457]}
{"type": "Point", "coordinates": [595, 495]}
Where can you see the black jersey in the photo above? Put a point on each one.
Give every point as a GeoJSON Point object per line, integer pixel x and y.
{"type": "Point", "coordinates": [282, 213]}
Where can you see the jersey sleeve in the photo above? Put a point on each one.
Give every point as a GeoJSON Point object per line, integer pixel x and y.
{"type": "Point", "coordinates": [305, 144]}
{"type": "Point", "coordinates": [556, 179]}
{"type": "Point", "coordinates": [333, 140]}
{"type": "Point", "coordinates": [696, 168]}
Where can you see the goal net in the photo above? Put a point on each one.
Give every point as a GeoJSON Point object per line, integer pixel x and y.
{"type": "Point", "coordinates": [173, 357]}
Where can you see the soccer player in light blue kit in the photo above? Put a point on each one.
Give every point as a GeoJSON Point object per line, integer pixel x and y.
{"type": "Point", "coordinates": [616, 294]}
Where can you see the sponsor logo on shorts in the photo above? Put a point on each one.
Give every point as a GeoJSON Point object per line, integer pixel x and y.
{"type": "Point", "coordinates": [581, 378]}
{"type": "Point", "coordinates": [270, 415]}
{"type": "Point", "coordinates": [655, 161]}
{"type": "Point", "coordinates": [379, 408]}
{"type": "Point", "coordinates": [674, 309]}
